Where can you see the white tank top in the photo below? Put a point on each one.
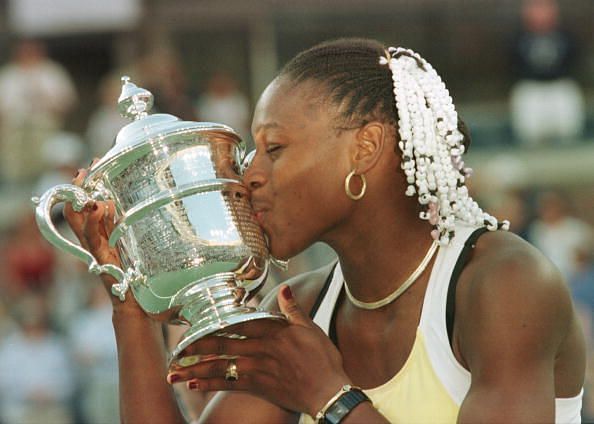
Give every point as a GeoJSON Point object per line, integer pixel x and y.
{"type": "Point", "coordinates": [432, 384]}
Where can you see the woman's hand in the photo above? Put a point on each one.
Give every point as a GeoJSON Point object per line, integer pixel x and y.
{"type": "Point", "coordinates": [293, 365]}
{"type": "Point", "coordinates": [92, 226]}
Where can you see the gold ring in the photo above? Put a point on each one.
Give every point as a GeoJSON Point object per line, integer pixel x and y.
{"type": "Point", "coordinates": [232, 373]}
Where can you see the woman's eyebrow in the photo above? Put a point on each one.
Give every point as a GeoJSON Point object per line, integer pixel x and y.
{"type": "Point", "coordinates": [267, 126]}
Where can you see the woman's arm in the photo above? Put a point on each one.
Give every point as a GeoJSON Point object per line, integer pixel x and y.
{"type": "Point", "coordinates": [145, 396]}
{"type": "Point", "coordinates": [515, 316]}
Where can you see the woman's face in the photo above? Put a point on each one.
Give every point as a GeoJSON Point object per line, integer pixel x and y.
{"type": "Point", "coordinates": [296, 178]}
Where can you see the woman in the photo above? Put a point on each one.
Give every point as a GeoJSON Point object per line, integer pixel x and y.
{"type": "Point", "coordinates": [487, 331]}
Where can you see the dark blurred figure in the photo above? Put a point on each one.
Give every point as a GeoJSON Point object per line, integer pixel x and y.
{"type": "Point", "coordinates": [160, 71]}
{"type": "Point", "coordinates": [36, 95]}
{"type": "Point", "coordinates": [223, 102]}
{"type": "Point", "coordinates": [547, 105]}
{"type": "Point", "coordinates": [36, 381]}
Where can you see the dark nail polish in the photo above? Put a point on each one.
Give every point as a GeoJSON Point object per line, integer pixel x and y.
{"type": "Point", "coordinates": [173, 378]}
{"type": "Point", "coordinates": [287, 293]}
{"type": "Point", "coordinates": [193, 385]}
{"type": "Point", "coordinates": [95, 207]}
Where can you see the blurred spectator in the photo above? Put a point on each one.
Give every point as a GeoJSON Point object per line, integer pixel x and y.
{"type": "Point", "coordinates": [558, 234]}
{"type": "Point", "coordinates": [224, 103]}
{"type": "Point", "coordinates": [582, 289]}
{"type": "Point", "coordinates": [161, 72]}
{"type": "Point", "coordinates": [106, 121]}
{"type": "Point", "coordinates": [547, 105]}
{"type": "Point", "coordinates": [7, 324]}
{"type": "Point", "coordinates": [36, 381]}
{"type": "Point", "coordinates": [582, 281]}
{"type": "Point", "coordinates": [94, 351]}
{"type": "Point", "coordinates": [71, 285]}
{"type": "Point", "coordinates": [63, 154]}
{"type": "Point", "coordinates": [29, 259]}
{"type": "Point", "coordinates": [510, 205]}
{"type": "Point", "coordinates": [36, 94]}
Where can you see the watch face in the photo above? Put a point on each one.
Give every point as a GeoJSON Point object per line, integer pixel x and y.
{"type": "Point", "coordinates": [344, 405]}
{"type": "Point", "coordinates": [337, 412]}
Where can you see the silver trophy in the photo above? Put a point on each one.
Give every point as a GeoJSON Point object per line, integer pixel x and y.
{"type": "Point", "coordinates": [191, 251]}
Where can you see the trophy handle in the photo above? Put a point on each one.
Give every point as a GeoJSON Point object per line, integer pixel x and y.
{"type": "Point", "coordinates": [78, 198]}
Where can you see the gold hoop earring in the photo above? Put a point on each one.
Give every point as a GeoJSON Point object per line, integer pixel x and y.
{"type": "Point", "coordinates": [347, 184]}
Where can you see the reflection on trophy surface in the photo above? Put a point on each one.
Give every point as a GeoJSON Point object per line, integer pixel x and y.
{"type": "Point", "coordinates": [191, 251]}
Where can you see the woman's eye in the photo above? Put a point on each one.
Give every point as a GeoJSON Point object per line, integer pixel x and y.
{"type": "Point", "coordinates": [273, 148]}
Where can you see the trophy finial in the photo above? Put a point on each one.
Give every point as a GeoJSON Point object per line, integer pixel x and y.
{"type": "Point", "coordinates": [134, 102]}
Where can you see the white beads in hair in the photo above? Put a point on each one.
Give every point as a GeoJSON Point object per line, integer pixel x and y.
{"type": "Point", "coordinates": [432, 146]}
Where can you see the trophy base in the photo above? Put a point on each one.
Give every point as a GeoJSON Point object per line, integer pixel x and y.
{"type": "Point", "coordinates": [221, 328]}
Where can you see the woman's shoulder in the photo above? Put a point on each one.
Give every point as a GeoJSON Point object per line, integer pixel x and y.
{"type": "Point", "coordinates": [505, 254]}
{"type": "Point", "coordinates": [510, 287]}
{"type": "Point", "coordinates": [504, 263]}
{"type": "Point", "coordinates": [305, 287]}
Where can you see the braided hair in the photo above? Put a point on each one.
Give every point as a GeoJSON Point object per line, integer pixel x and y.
{"type": "Point", "coordinates": [408, 95]}
{"type": "Point", "coordinates": [350, 72]}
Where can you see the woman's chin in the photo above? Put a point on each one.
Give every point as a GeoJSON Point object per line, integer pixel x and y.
{"type": "Point", "coordinates": [284, 252]}
{"type": "Point", "coordinates": [280, 254]}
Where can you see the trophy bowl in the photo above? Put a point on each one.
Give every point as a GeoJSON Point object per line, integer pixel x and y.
{"type": "Point", "coordinates": [191, 251]}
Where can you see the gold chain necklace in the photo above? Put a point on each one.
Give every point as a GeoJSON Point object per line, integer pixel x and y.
{"type": "Point", "coordinates": [401, 289]}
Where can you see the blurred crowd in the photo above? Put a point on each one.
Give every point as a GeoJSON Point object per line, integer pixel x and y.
{"type": "Point", "coordinates": [57, 348]}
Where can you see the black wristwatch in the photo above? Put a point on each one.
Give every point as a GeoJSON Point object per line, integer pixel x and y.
{"type": "Point", "coordinates": [347, 400]}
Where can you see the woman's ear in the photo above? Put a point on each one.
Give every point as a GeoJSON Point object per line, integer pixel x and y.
{"type": "Point", "coordinates": [369, 146]}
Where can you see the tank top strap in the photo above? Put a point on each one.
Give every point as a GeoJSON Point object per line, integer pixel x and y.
{"type": "Point", "coordinates": [323, 308]}
{"type": "Point", "coordinates": [453, 376]}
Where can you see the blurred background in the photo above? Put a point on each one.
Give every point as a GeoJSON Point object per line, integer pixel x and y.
{"type": "Point", "coordinates": [521, 74]}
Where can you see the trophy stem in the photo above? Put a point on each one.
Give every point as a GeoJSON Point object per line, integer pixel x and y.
{"type": "Point", "coordinates": [213, 305]}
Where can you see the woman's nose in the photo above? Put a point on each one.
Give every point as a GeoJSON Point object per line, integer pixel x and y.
{"type": "Point", "coordinates": [253, 174]}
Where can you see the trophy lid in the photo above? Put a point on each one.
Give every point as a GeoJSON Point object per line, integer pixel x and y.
{"type": "Point", "coordinates": [135, 103]}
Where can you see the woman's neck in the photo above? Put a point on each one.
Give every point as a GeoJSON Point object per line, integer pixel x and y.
{"type": "Point", "coordinates": [380, 248]}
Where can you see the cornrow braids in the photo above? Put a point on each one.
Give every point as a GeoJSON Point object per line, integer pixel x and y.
{"type": "Point", "coordinates": [400, 88]}
{"type": "Point", "coordinates": [349, 70]}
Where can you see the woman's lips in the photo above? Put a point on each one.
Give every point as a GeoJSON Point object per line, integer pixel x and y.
{"type": "Point", "coordinates": [259, 215]}
{"type": "Point", "coordinates": [259, 209]}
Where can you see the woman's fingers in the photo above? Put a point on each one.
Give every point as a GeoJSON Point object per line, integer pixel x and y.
{"type": "Point", "coordinates": [210, 346]}
{"type": "Point", "coordinates": [257, 328]}
{"type": "Point", "coordinates": [251, 383]}
{"type": "Point", "coordinates": [250, 341]}
{"type": "Point", "coordinates": [109, 217]}
{"type": "Point", "coordinates": [79, 177]}
{"type": "Point", "coordinates": [211, 375]}
{"type": "Point", "coordinates": [93, 224]}
{"type": "Point", "coordinates": [76, 220]}
{"type": "Point", "coordinates": [94, 231]}
{"type": "Point", "coordinates": [291, 308]}
{"type": "Point", "coordinates": [216, 368]}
